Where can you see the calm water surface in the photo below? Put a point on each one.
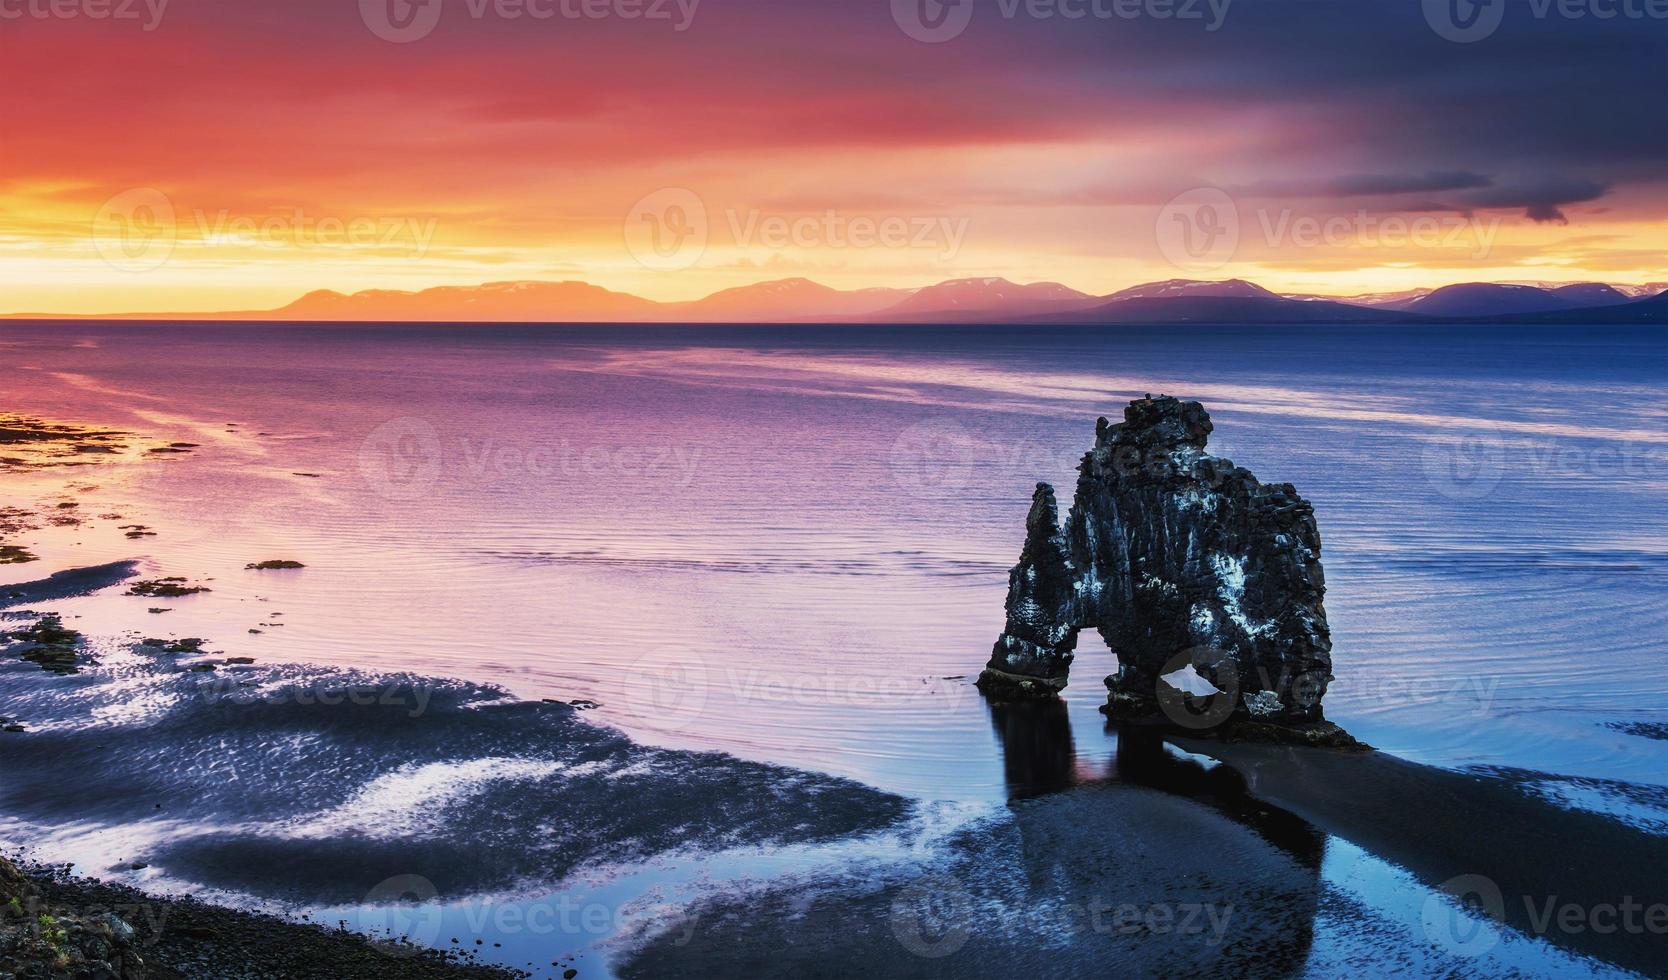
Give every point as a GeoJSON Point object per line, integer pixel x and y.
{"type": "Point", "coordinates": [791, 544]}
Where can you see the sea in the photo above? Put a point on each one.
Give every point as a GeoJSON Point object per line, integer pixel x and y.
{"type": "Point", "coordinates": [782, 550]}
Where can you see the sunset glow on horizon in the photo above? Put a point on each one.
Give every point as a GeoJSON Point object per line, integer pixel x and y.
{"type": "Point", "coordinates": [275, 149]}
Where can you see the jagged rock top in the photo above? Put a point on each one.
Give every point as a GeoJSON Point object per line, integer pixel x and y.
{"type": "Point", "coordinates": [1157, 423]}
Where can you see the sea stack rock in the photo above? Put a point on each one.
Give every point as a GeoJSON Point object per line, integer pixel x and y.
{"type": "Point", "coordinates": [1181, 560]}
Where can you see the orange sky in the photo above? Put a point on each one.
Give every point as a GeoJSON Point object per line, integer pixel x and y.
{"type": "Point", "coordinates": [233, 155]}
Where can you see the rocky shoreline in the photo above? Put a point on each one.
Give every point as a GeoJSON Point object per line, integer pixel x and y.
{"type": "Point", "coordinates": [56, 926]}
{"type": "Point", "coordinates": [539, 792]}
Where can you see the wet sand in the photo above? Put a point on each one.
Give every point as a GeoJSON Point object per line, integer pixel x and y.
{"type": "Point", "coordinates": [1100, 879]}
{"type": "Point", "coordinates": [1162, 864]}
{"type": "Point", "coordinates": [1481, 837]}
{"type": "Point", "coordinates": [67, 583]}
{"type": "Point", "coordinates": [1090, 869]}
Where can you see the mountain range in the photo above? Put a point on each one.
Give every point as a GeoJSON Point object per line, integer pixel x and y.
{"type": "Point", "coordinates": [979, 300]}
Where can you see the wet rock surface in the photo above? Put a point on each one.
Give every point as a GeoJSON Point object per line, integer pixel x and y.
{"type": "Point", "coordinates": [11, 554]}
{"type": "Point", "coordinates": [55, 926]}
{"type": "Point", "coordinates": [47, 643]}
{"type": "Point", "coordinates": [1182, 561]}
{"type": "Point", "coordinates": [171, 587]}
{"type": "Point", "coordinates": [42, 939]}
{"type": "Point", "coordinates": [29, 442]}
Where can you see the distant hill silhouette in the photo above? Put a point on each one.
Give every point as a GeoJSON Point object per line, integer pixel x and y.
{"type": "Point", "coordinates": [980, 300]}
{"type": "Point", "coordinates": [1191, 288]}
{"type": "Point", "coordinates": [787, 300]}
{"type": "Point", "coordinates": [1229, 309]}
{"type": "Point", "coordinates": [985, 299]}
{"type": "Point", "coordinates": [494, 301]}
{"type": "Point", "coordinates": [1651, 309]}
{"type": "Point", "coordinates": [1488, 299]}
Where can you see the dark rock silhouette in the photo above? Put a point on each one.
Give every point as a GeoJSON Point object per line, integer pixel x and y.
{"type": "Point", "coordinates": [1181, 560]}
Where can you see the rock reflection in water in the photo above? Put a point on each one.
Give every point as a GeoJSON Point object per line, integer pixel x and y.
{"type": "Point", "coordinates": [1038, 754]}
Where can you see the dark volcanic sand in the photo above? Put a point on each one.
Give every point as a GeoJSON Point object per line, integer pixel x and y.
{"type": "Point", "coordinates": [67, 583]}
{"type": "Point", "coordinates": [1124, 871]}
{"type": "Point", "coordinates": [1443, 825]}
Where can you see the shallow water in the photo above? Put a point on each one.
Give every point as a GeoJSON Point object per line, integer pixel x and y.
{"type": "Point", "coordinates": [791, 545]}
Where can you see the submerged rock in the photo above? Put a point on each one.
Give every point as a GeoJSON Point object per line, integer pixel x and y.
{"type": "Point", "coordinates": [171, 587]}
{"type": "Point", "coordinates": [11, 554]}
{"type": "Point", "coordinates": [49, 644]}
{"type": "Point", "coordinates": [1182, 561]}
